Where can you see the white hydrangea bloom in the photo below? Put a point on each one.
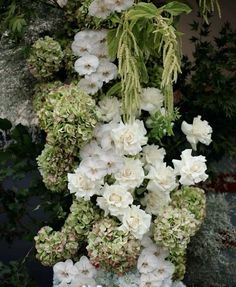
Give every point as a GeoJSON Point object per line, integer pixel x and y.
{"type": "Point", "coordinates": [90, 149]}
{"type": "Point", "coordinates": [82, 185]}
{"type": "Point", "coordinates": [107, 71]}
{"type": "Point", "coordinates": [129, 138]}
{"type": "Point", "coordinates": [153, 154]}
{"type": "Point", "coordinates": [149, 280]}
{"type": "Point", "coordinates": [199, 131]}
{"type": "Point", "coordinates": [109, 109]}
{"type": "Point", "coordinates": [112, 161]}
{"type": "Point", "coordinates": [100, 50]}
{"type": "Point", "coordinates": [93, 167]}
{"type": "Point", "coordinates": [136, 221]}
{"type": "Point", "coordinates": [132, 174]}
{"type": "Point", "coordinates": [83, 281]}
{"type": "Point", "coordinates": [151, 100]}
{"type": "Point", "coordinates": [116, 199]}
{"type": "Point", "coordinates": [167, 283]}
{"type": "Point", "coordinates": [190, 168]}
{"type": "Point", "coordinates": [81, 48]}
{"type": "Point", "coordinates": [156, 201]}
{"type": "Point", "coordinates": [86, 65]}
{"type": "Point", "coordinates": [164, 270]}
{"type": "Point", "coordinates": [65, 271]}
{"type": "Point", "coordinates": [147, 262]}
{"type": "Point", "coordinates": [162, 178]}
{"type": "Point", "coordinates": [85, 268]}
{"type": "Point", "coordinates": [100, 8]}
{"type": "Point", "coordinates": [103, 135]}
{"type": "Point", "coordinates": [91, 85]}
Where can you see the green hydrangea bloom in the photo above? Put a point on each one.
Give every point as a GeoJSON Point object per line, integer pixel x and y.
{"type": "Point", "coordinates": [54, 164]}
{"type": "Point", "coordinates": [45, 58]}
{"type": "Point", "coordinates": [191, 198]}
{"type": "Point", "coordinates": [74, 118]}
{"type": "Point", "coordinates": [53, 246]}
{"type": "Point", "coordinates": [45, 98]}
{"type": "Point", "coordinates": [174, 227]}
{"type": "Point", "coordinates": [178, 257]}
{"type": "Point", "coordinates": [83, 214]}
{"type": "Point", "coordinates": [112, 249]}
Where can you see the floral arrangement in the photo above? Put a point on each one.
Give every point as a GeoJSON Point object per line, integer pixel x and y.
{"type": "Point", "coordinates": [105, 111]}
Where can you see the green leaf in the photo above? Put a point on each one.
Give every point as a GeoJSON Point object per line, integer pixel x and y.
{"type": "Point", "coordinates": [114, 90]}
{"type": "Point", "coordinates": [142, 10]}
{"type": "Point", "coordinates": [113, 38]}
{"type": "Point", "coordinates": [176, 8]}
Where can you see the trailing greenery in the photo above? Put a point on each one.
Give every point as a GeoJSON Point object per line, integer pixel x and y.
{"type": "Point", "coordinates": [207, 7]}
{"type": "Point", "coordinates": [15, 274]}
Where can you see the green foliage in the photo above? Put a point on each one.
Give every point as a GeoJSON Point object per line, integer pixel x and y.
{"type": "Point", "coordinates": [143, 31]}
{"type": "Point", "coordinates": [15, 274]}
{"type": "Point", "coordinates": [161, 125]}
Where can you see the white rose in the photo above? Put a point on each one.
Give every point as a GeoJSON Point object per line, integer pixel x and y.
{"type": "Point", "coordinates": [136, 221]}
{"type": "Point", "coordinates": [132, 174]}
{"type": "Point", "coordinates": [153, 154]}
{"type": "Point", "coordinates": [190, 168]}
{"type": "Point", "coordinates": [82, 185]}
{"type": "Point", "coordinates": [199, 131]}
{"type": "Point", "coordinates": [162, 178]}
{"type": "Point", "coordinates": [93, 167]}
{"type": "Point", "coordinates": [116, 199]}
{"type": "Point", "coordinates": [129, 138]}
{"type": "Point", "coordinates": [103, 135]}
{"type": "Point", "coordinates": [109, 109]}
{"type": "Point", "coordinates": [151, 100]}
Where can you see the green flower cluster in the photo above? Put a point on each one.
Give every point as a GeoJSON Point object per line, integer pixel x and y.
{"type": "Point", "coordinates": [45, 58]}
{"type": "Point", "coordinates": [83, 214]}
{"type": "Point", "coordinates": [68, 115]}
{"type": "Point", "coordinates": [54, 163]}
{"type": "Point", "coordinates": [45, 98]}
{"type": "Point", "coordinates": [112, 249]}
{"type": "Point", "coordinates": [173, 229]}
{"type": "Point", "coordinates": [191, 198]}
{"type": "Point", "coordinates": [53, 246]}
{"type": "Point", "coordinates": [178, 257]}
{"type": "Point", "coordinates": [74, 117]}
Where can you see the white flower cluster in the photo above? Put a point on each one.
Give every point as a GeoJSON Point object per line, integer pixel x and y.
{"type": "Point", "coordinates": [151, 100]}
{"type": "Point", "coordinates": [93, 63]}
{"type": "Point", "coordinates": [80, 274]}
{"type": "Point", "coordinates": [155, 270]}
{"type": "Point", "coordinates": [199, 131]}
{"type": "Point", "coordinates": [120, 151]}
{"type": "Point", "coordinates": [103, 8]}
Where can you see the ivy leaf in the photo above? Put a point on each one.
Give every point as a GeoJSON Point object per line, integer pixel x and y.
{"type": "Point", "coordinates": [176, 8]}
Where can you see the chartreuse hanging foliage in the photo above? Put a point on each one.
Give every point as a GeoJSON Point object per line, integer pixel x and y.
{"type": "Point", "coordinates": [145, 31]}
